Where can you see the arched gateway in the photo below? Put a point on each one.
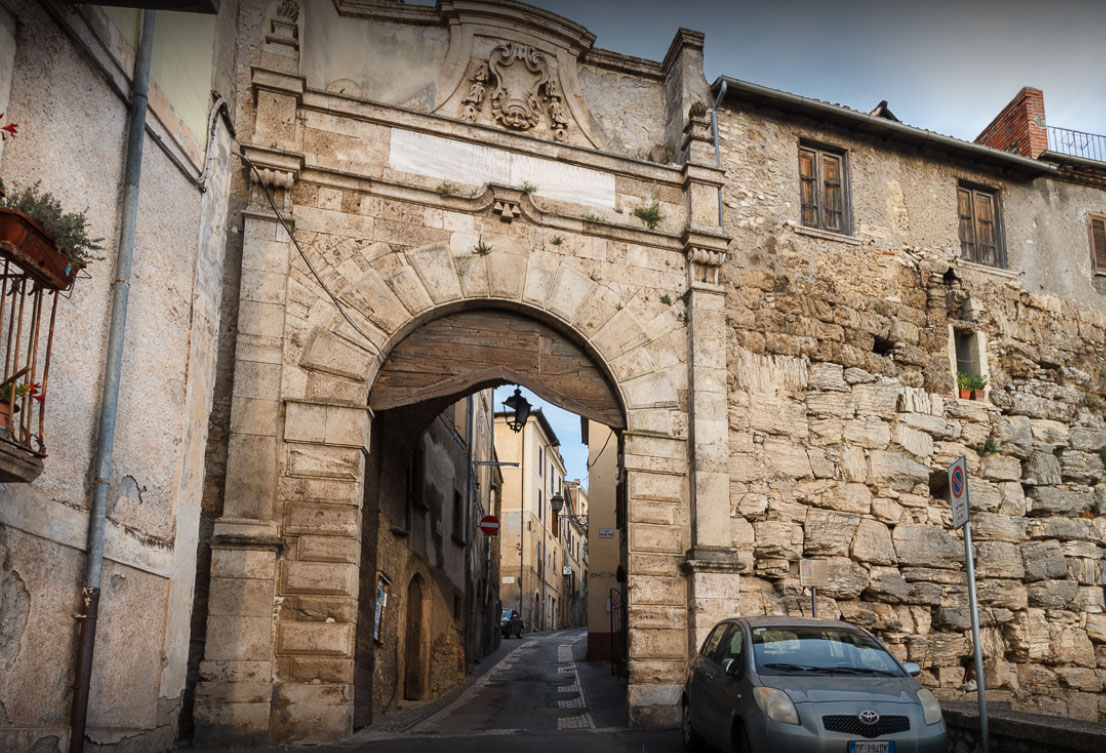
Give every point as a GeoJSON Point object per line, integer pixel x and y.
{"type": "Point", "coordinates": [619, 318]}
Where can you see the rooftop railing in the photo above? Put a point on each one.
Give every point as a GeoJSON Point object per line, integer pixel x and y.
{"type": "Point", "coordinates": [1077, 143]}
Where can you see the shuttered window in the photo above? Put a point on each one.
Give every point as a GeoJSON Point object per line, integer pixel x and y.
{"type": "Point", "coordinates": [823, 189]}
{"type": "Point", "coordinates": [1097, 228]}
{"type": "Point", "coordinates": [980, 234]}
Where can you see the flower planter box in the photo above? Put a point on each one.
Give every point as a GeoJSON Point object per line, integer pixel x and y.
{"type": "Point", "coordinates": [25, 242]}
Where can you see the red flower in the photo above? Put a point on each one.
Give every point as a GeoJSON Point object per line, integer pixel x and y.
{"type": "Point", "coordinates": [9, 130]}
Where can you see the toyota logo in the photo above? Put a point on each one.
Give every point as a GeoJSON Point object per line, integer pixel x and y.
{"type": "Point", "coordinates": [868, 717]}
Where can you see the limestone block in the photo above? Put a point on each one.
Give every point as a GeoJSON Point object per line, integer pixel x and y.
{"type": "Point", "coordinates": [243, 563]}
{"type": "Point", "coordinates": [304, 422]}
{"type": "Point", "coordinates": [779, 538]}
{"type": "Point", "coordinates": [658, 644]}
{"type": "Point", "coordinates": [235, 637]}
{"type": "Point", "coordinates": [1081, 467]}
{"type": "Point", "coordinates": [787, 459]}
{"type": "Point", "coordinates": [998, 559]}
{"type": "Point", "coordinates": [1015, 432]}
{"type": "Point", "coordinates": [1002, 593]}
{"type": "Point", "coordinates": [326, 638]}
{"type": "Point", "coordinates": [839, 404]}
{"type": "Point", "coordinates": [506, 273]}
{"type": "Point", "coordinates": [829, 532]}
{"type": "Point", "coordinates": [1064, 529]}
{"type": "Point", "coordinates": [827, 430]}
{"type": "Point", "coordinates": [847, 579]}
{"type": "Point", "coordinates": [869, 432]}
{"type": "Point", "coordinates": [1049, 432]}
{"type": "Point", "coordinates": [983, 495]}
{"type": "Point", "coordinates": [872, 543]}
{"type": "Point", "coordinates": [1042, 469]}
{"type": "Point", "coordinates": [828, 376]}
{"type": "Point", "coordinates": [327, 352]}
{"type": "Point", "coordinates": [1013, 499]}
{"type": "Point", "coordinates": [1052, 593]}
{"type": "Point", "coordinates": [1069, 644]}
{"type": "Point", "coordinates": [917, 443]}
{"type": "Point", "coordinates": [322, 669]}
{"type": "Point", "coordinates": [1080, 678]}
{"type": "Point", "coordinates": [987, 526]}
{"type": "Point", "coordinates": [1001, 468]}
{"type": "Point", "coordinates": [1027, 635]}
{"type": "Point", "coordinates": [571, 289]}
{"type": "Point", "coordinates": [872, 615]}
{"type": "Point", "coordinates": [879, 399]}
{"type": "Point", "coordinates": [374, 299]}
{"type": "Point", "coordinates": [405, 282]}
{"type": "Point", "coordinates": [328, 549]}
{"type": "Point", "coordinates": [933, 425]}
{"type": "Point", "coordinates": [773, 415]}
{"type": "Point", "coordinates": [887, 584]}
{"type": "Point", "coordinates": [320, 578]}
{"type": "Point", "coordinates": [319, 461]}
{"type": "Point", "coordinates": [887, 510]}
{"type": "Point", "coordinates": [895, 470]}
{"type": "Point", "coordinates": [939, 649]}
{"type": "Point", "coordinates": [1043, 560]}
{"type": "Point", "coordinates": [920, 544]}
{"type": "Point", "coordinates": [1096, 627]}
{"type": "Point", "coordinates": [968, 411]}
{"type": "Point", "coordinates": [434, 265]}
{"type": "Point", "coordinates": [853, 463]}
{"type": "Point", "coordinates": [1090, 599]}
{"type": "Point", "coordinates": [313, 712]}
{"type": "Point", "coordinates": [654, 589]}
{"type": "Point", "coordinates": [854, 375]}
{"type": "Point", "coordinates": [1087, 439]}
{"type": "Point", "coordinates": [251, 416]}
{"type": "Point", "coordinates": [236, 671]}
{"type": "Point", "coordinates": [248, 597]}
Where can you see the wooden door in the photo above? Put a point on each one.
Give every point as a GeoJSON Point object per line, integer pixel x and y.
{"type": "Point", "coordinates": [414, 688]}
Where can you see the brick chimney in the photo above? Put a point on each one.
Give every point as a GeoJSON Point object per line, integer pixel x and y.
{"type": "Point", "coordinates": [1020, 127]}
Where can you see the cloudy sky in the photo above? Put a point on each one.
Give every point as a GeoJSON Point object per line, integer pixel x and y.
{"type": "Point", "coordinates": [946, 65]}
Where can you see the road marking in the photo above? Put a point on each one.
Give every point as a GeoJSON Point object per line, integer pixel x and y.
{"type": "Point", "coordinates": [577, 721]}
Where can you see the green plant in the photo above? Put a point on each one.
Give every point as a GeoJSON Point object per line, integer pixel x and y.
{"type": "Point", "coordinates": [970, 381]}
{"type": "Point", "coordinates": [1090, 401]}
{"type": "Point", "coordinates": [529, 187]}
{"type": "Point", "coordinates": [591, 217]}
{"type": "Point", "coordinates": [20, 391]}
{"type": "Point", "coordinates": [69, 230]}
{"type": "Point", "coordinates": [650, 215]}
{"type": "Point", "coordinates": [619, 210]}
{"type": "Point", "coordinates": [686, 297]}
{"type": "Point", "coordinates": [481, 248]}
{"type": "Point", "coordinates": [557, 240]}
{"type": "Point", "coordinates": [666, 300]}
{"type": "Point", "coordinates": [447, 188]}
{"type": "Point", "coordinates": [990, 446]}
{"type": "Point", "coordinates": [1102, 454]}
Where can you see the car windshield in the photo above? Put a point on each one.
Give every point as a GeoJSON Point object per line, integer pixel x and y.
{"type": "Point", "coordinates": [821, 650]}
{"type": "Point", "coordinates": [506, 614]}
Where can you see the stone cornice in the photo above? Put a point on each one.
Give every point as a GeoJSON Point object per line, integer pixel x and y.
{"type": "Point", "coordinates": [339, 105]}
{"type": "Point", "coordinates": [684, 38]}
{"type": "Point", "coordinates": [615, 61]}
{"type": "Point", "coordinates": [277, 168]}
{"type": "Point", "coordinates": [276, 81]}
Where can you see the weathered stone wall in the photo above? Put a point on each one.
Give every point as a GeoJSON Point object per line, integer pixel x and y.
{"type": "Point", "coordinates": [843, 419]}
{"type": "Point", "coordinates": [71, 108]}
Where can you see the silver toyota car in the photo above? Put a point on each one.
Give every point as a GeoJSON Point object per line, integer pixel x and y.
{"type": "Point", "coordinates": [799, 685]}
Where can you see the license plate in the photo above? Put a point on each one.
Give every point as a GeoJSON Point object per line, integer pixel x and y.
{"type": "Point", "coordinates": [863, 746]}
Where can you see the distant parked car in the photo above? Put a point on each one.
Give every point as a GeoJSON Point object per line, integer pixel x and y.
{"type": "Point", "coordinates": [510, 623]}
{"type": "Point", "coordinates": [806, 686]}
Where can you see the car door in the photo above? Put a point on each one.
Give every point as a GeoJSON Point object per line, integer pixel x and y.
{"type": "Point", "coordinates": [712, 678]}
{"type": "Point", "coordinates": [700, 675]}
{"type": "Point", "coordinates": [722, 693]}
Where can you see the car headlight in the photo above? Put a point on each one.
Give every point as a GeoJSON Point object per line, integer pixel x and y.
{"type": "Point", "coordinates": [930, 707]}
{"type": "Point", "coordinates": [776, 704]}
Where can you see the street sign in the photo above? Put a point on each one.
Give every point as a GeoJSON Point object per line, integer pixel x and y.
{"type": "Point", "coordinates": [566, 570]}
{"type": "Point", "coordinates": [489, 524]}
{"type": "Point", "coordinates": [813, 573]}
{"type": "Point", "coordinates": [958, 492]}
{"type": "Point", "coordinates": [606, 533]}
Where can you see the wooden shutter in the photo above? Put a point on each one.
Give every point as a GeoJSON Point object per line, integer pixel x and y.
{"type": "Point", "coordinates": [833, 203]}
{"type": "Point", "coordinates": [1098, 244]}
{"type": "Point", "coordinates": [985, 228]}
{"type": "Point", "coordinates": [808, 187]}
{"type": "Point", "coordinates": [967, 226]}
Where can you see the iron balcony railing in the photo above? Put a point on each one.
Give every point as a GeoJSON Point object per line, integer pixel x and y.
{"type": "Point", "coordinates": [1077, 143]}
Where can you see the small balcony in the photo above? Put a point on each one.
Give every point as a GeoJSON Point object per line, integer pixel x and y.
{"type": "Point", "coordinates": [1088, 146]}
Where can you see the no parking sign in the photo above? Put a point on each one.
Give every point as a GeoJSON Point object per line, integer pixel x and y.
{"type": "Point", "coordinates": [958, 492]}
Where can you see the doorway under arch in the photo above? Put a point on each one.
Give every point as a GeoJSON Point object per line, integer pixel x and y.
{"type": "Point", "coordinates": [416, 648]}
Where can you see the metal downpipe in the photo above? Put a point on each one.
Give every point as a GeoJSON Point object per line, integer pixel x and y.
{"type": "Point", "coordinates": [101, 469]}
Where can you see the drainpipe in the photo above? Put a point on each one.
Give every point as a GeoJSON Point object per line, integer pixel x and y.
{"type": "Point", "coordinates": [717, 153]}
{"type": "Point", "coordinates": [470, 617]}
{"type": "Point", "coordinates": [101, 469]}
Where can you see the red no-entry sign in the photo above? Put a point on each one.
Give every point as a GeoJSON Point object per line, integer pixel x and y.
{"type": "Point", "coordinates": [489, 524]}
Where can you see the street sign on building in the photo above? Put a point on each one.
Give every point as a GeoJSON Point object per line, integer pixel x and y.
{"type": "Point", "coordinates": [489, 524]}
{"type": "Point", "coordinates": [813, 573]}
{"type": "Point", "coordinates": [606, 533]}
{"type": "Point", "coordinates": [958, 492]}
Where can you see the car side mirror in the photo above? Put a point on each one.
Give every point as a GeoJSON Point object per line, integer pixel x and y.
{"type": "Point", "coordinates": [912, 669]}
{"type": "Point", "coordinates": [735, 668]}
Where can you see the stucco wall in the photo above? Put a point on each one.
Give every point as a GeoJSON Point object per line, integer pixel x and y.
{"type": "Point", "coordinates": [72, 139]}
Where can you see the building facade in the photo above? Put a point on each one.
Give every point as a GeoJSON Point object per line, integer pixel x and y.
{"type": "Point", "coordinates": [532, 557]}
{"type": "Point", "coordinates": [572, 522]}
{"type": "Point", "coordinates": [430, 201]}
{"type": "Point", "coordinates": [606, 542]}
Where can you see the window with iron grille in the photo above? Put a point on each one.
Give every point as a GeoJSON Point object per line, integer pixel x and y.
{"type": "Point", "coordinates": [1096, 226]}
{"type": "Point", "coordinates": [824, 189]}
{"type": "Point", "coordinates": [980, 228]}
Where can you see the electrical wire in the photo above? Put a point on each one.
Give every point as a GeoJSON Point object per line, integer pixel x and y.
{"type": "Point", "coordinates": [296, 243]}
{"type": "Point", "coordinates": [610, 434]}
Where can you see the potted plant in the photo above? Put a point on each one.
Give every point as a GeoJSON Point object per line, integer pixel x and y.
{"type": "Point", "coordinates": [9, 393]}
{"type": "Point", "coordinates": [971, 386]}
{"type": "Point", "coordinates": [50, 244]}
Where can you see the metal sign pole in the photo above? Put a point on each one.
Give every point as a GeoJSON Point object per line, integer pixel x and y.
{"type": "Point", "coordinates": [814, 601]}
{"type": "Point", "coordinates": [977, 648]}
{"type": "Point", "coordinates": [961, 518]}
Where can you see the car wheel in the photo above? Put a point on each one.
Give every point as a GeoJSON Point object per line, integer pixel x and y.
{"type": "Point", "coordinates": [739, 739]}
{"type": "Point", "coordinates": [691, 738]}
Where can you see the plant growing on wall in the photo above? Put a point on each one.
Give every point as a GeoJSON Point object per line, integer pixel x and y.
{"type": "Point", "coordinates": [971, 386]}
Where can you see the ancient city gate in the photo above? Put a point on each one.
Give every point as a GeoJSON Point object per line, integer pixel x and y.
{"type": "Point", "coordinates": [405, 218]}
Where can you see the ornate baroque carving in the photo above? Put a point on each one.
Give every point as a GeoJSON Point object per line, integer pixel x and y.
{"type": "Point", "coordinates": [525, 90]}
{"type": "Point", "coordinates": [506, 210]}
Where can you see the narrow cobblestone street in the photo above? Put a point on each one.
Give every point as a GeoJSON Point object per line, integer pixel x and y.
{"type": "Point", "coordinates": [535, 694]}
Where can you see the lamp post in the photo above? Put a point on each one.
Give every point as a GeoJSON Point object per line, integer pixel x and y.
{"type": "Point", "coordinates": [521, 408]}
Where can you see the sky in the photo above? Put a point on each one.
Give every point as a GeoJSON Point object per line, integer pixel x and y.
{"type": "Point", "coordinates": [946, 65]}
{"type": "Point", "coordinates": [565, 425]}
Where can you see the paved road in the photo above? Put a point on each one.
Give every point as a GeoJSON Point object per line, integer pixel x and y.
{"type": "Point", "coordinates": [538, 696]}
